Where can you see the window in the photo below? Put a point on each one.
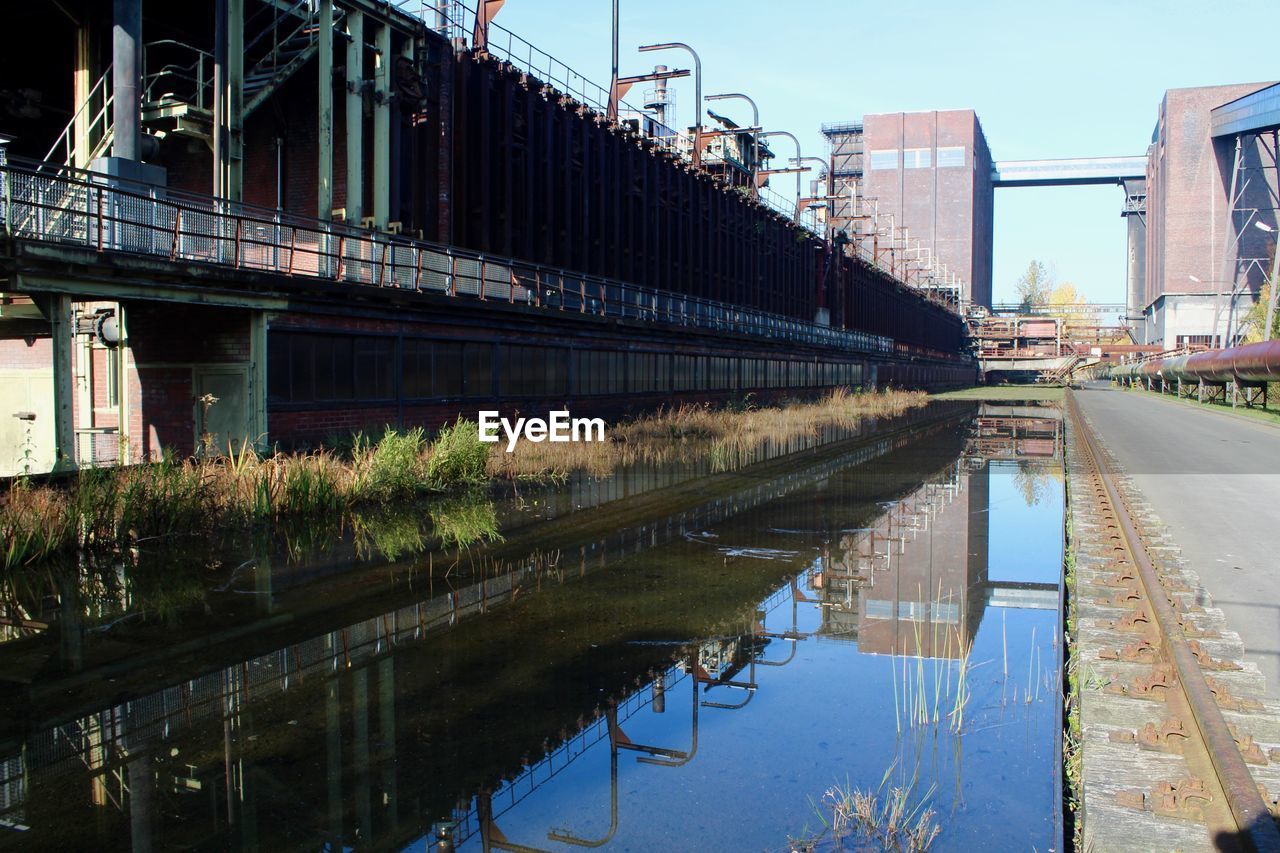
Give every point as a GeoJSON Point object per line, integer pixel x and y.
{"type": "Point", "coordinates": [951, 157]}
{"type": "Point", "coordinates": [533, 371]}
{"type": "Point", "coordinates": [311, 368]}
{"type": "Point", "coordinates": [883, 158]}
{"type": "Point", "coordinates": [477, 370]}
{"type": "Point", "coordinates": [916, 158]}
{"type": "Point", "coordinates": [374, 371]}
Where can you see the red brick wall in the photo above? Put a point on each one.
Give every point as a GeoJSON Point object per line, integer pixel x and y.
{"type": "Point", "coordinates": [947, 210]}
{"type": "Point", "coordinates": [18, 354]}
{"type": "Point", "coordinates": [1188, 186]}
{"type": "Point", "coordinates": [166, 343]}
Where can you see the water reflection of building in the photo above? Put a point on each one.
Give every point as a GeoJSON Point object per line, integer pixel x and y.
{"type": "Point", "coordinates": [915, 581]}
{"type": "Point", "coordinates": [351, 702]}
{"type": "Point", "coordinates": [1016, 432]}
{"type": "Point", "coordinates": [903, 585]}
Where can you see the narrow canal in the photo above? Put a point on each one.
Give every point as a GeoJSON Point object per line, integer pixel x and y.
{"type": "Point", "coordinates": [679, 658]}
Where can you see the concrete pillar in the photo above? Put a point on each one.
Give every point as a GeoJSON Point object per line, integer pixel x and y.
{"type": "Point", "coordinates": [57, 308]}
{"type": "Point", "coordinates": [1136, 292]}
{"type": "Point", "coordinates": [324, 136]}
{"type": "Point", "coordinates": [142, 802]}
{"type": "Point", "coordinates": [126, 71]}
{"type": "Point", "coordinates": [70, 622]}
{"type": "Point", "coordinates": [355, 117]}
{"type": "Point", "coordinates": [382, 127]}
{"type": "Point", "coordinates": [258, 380]}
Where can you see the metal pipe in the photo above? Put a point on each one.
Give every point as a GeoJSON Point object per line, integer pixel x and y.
{"type": "Point", "coordinates": [799, 157]}
{"type": "Point", "coordinates": [697, 92]}
{"type": "Point", "coordinates": [126, 52]}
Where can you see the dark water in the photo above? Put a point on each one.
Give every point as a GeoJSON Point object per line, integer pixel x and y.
{"type": "Point", "coordinates": [665, 661]}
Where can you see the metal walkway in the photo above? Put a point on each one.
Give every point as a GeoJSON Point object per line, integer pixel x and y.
{"type": "Point", "coordinates": [1074, 171]}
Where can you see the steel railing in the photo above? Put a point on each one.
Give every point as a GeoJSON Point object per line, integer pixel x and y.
{"type": "Point", "coordinates": [94, 211]}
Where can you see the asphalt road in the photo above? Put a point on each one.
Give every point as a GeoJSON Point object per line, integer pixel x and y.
{"type": "Point", "coordinates": [1215, 481]}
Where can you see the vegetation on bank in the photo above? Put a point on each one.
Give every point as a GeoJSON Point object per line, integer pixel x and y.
{"type": "Point", "coordinates": [689, 432]}
{"type": "Point", "coordinates": [1269, 415]}
{"type": "Point", "coordinates": [110, 509]}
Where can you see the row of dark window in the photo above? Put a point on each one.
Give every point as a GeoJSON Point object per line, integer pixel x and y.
{"type": "Point", "coordinates": [304, 367]}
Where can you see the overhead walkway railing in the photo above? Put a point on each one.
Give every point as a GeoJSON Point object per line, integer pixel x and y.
{"type": "Point", "coordinates": [93, 211]}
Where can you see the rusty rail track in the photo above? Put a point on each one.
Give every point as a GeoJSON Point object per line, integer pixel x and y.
{"type": "Point", "coordinates": [1234, 810]}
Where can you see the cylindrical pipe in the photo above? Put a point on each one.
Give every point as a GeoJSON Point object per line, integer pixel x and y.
{"type": "Point", "coordinates": [126, 53]}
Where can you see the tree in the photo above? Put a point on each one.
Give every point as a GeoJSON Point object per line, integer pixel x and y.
{"type": "Point", "coordinates": [1034, 286]}
{"type": "Point", "coordinates": [1253, 324]}
{"type": "Point", "coordinates": [1065, 302]}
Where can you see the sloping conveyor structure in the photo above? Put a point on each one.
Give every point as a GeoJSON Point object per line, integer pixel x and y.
{"type": "Point", "coordinates": [1250, 114]}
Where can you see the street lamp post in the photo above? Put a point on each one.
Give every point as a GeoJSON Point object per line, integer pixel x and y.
{"type": "Point", "coordinates": [798, 160]}
{"type": "Point", "coordinates": [697, 95]}
{"type": "Point", "coordinates": [793, 138]}
{"type": "Point", "coordinates": [755, 122]}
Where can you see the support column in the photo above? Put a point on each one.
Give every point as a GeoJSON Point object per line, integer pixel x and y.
{"type": "Point", "coordinates": [258, 428]}
{"type": "Point", "coordinates": [1135, 303]}
{"type": "Point", "coordinates": [82, 85]}
{"type": "Point", "coordinates": [324, 135]}
{"type": "Point", "coordinates": [382, 128]}
{"type": "Point", "coordinates": [333, 757]}
{"type": "Point", "coordinates": [126, 51]}
{"type": "Point", "coordinates": [57, 308]}
{"type": "Point", "coordinates": [235, 100]}
{"type": "Point", "coordinates": [355, 117]}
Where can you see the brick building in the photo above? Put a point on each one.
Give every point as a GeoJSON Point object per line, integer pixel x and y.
{"type": "Point", "coordinates": [928, 173]}
{"type": "Point", "coordinates": [1206, 259]}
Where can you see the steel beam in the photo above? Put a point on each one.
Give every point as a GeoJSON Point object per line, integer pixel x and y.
{"type": "Point", "coordinates": [382, 127]}
{"type": "Point", "coordinates": [324, 132]}
{"type": "Point", "coordinates": [355, 118]}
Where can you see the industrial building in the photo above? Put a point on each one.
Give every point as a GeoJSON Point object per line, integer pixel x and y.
{"type": "Point", "coordinates": [280, 222]}
{"type": "Point", "coordinates": [1199, 206]}
{"type": "Point", "coordinates": [918, 186]}
{"type": "Point", "coordinates": [1211, 222]}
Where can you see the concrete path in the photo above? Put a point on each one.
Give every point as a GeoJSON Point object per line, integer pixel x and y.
{"type": "Point", "coordinates": [1214, 480]}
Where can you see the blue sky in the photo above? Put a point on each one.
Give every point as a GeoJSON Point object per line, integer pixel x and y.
{"type": "Point", "coordinates": [1047, 80]}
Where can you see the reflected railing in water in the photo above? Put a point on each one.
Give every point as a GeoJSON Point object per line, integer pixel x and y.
{"type": "Point", "coordinates": [105, 743]}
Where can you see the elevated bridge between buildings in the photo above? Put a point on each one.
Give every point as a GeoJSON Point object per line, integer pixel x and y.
{"type": "Point", "coordinates": [1068, 172]}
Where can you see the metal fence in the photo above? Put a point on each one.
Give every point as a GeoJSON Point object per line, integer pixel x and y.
{"type": "Point", "coordinates": [104, 214]}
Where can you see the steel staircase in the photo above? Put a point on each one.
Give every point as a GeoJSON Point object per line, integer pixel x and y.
{"type": "Point", "coordinates": [281, 36]}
